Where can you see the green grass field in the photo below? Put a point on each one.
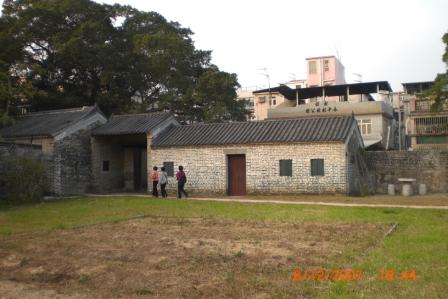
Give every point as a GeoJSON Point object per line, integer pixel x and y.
{"type": "Point", "coordinates": [419, 243]}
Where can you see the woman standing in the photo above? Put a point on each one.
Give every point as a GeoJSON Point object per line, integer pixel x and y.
{"type": "Point", "coordinates": [163, 179]}
{"type": "Point", "coordinates": [155, 181]}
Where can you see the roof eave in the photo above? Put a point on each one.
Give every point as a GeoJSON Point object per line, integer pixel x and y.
{"type": "Point", "coordinates": [342, 140]}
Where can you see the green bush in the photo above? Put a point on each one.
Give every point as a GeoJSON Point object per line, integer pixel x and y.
{"type": "Point", "coordinates": [24, 179]}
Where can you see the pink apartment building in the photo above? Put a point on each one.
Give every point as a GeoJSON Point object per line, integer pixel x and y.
{"type": "Point", "coordinates": [325, 70]}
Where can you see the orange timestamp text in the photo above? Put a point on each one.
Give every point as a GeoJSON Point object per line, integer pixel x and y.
{"type": "Point", "coordinates": [392, 274]}
{"type": "Point", "coordinates": [350, 275]}
{"type": "Point", "coordinates": [326, 274]}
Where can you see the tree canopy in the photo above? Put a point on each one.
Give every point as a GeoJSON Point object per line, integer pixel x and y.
{"type": "Point", "coordinates": [439, 90]}
{"type": "Point", "coordinates": [67, 53]}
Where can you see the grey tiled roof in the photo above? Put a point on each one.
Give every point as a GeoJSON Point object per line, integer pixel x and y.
{"type": "Point", "coordinates": [47, 123]}
{"type": "Point", "coordinates": [131, 123]}
{"type": "Point", "coordinates": [317, 129]}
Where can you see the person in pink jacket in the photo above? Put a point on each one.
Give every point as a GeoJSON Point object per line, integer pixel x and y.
{"type": "Point", "coordinates": [155, 181]}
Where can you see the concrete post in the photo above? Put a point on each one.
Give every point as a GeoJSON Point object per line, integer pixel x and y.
{"type": "Point", "coordinates": [407, 190]}
{"type": "Point", "coordinates": [391, 189]}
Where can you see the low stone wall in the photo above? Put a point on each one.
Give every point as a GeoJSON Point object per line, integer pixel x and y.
{"type": "Point", "coordinates": [427, 167]}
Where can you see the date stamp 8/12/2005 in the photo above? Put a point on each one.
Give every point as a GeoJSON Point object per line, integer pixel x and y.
{"type": "Point", "coordinates": [350, 275]}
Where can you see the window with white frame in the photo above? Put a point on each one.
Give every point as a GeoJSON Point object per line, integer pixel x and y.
{"type": "Point", "coordinates": [365, 126]}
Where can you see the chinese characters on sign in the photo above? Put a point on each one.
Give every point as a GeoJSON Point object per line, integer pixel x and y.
{"type": "Point", "coordinates": [323, 109]}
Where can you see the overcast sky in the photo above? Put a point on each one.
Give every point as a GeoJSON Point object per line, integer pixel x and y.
{"type": "Point", "coordinates": [394, 40]}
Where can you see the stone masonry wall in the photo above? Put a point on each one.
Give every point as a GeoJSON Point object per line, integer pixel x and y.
{"type": "Point", "coordinates": [206, 167]}
{"type": "Point", "coordinates": [428, 167]}
{"type": "Point", "coordinates": [45, 142]}
{"type": "Point", "coordinates": [12, 149]}
{"type": "Point", "coordinates": [72, 163]}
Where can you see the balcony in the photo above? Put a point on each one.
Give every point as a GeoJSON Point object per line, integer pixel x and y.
{"type": "Point", "coordinates": [435, 125]}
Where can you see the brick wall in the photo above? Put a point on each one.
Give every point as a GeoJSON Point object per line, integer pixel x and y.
{"type": "Point", "coordinates": [428, 167]}
{"type": "Point", "coordinates": [206, 167]}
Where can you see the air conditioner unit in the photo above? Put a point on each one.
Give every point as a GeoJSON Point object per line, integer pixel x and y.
{"type": "Point", "coordinates": [261, 99]}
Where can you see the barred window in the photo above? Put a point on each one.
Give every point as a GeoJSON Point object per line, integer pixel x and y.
{"type": "Point", "coordinates": [317, 167]}
{"type": "Point", "coordinates": [285, 167]}
{"type": "Point", "coordinates": [169, 168]}
{"type": "Point", "coordinates": [106, 165]}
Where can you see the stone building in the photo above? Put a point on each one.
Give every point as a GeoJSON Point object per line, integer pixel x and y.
{"type": "Point", "coordinates": [120, 150]}
{"type": "Point", "coordinates": [84, 152]}
{"type": "Point", "coordinates": [305, 155]}
{"type": "Point", "coordinates": [64, 140]}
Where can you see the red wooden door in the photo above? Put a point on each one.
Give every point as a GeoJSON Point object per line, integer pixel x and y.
{"type": "Point", "coordinates": [237, 174]}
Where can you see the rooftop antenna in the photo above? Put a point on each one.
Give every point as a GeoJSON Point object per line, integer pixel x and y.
{"type": "Point", "coordinates": [358, 76]}
{"type": "Point", "coordinates": [266, 74]}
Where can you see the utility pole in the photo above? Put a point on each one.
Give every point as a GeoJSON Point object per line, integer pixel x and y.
{"type": "Point", "coordinates": [400, 95]}
{"type": "Point", "coordinates": [266, 74]}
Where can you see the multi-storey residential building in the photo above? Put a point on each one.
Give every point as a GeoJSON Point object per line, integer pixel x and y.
{"type": "Point", "coordinates": [258, 102]}
{"type": "Point", "coordinates": [427, 129]}
{"type": "Point", "coordinates": [375, 118]}
{"type": "Point", "coordinates": [325, 70]}
{"type": "Point", "coordinates": [266, 99]}
{"type": "Point", "coordinates": [321, 71]}
{"type": "Point", "coordinates": [296, 83]}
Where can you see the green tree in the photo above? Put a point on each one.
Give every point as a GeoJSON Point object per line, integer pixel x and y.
{"type": "Point", "coordinates": [439, 90]}
{"type": "Point", "coordinates": [65, 47]}
{"type": "Point", "coordinates": [214, 97]}
{"type": "Point", "coordinates": [66, 53]}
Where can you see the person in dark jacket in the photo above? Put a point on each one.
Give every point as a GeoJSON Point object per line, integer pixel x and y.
{"type": "Point", "coordinates": [181, 180]}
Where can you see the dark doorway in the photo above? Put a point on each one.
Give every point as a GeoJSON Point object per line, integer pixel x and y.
{"type": "Point", "coordinates": [137, 169]}
{"type": "Point", "coordinates": [236, 174]}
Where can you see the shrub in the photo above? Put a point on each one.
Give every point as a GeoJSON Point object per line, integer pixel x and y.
{"type": "Point", "coordinates": [24, 179]}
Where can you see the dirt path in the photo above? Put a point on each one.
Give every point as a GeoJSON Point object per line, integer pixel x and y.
{"type": "Point", "coordinates": [439, 202]}
{"type": "Point", "coordinates": [335, 204]}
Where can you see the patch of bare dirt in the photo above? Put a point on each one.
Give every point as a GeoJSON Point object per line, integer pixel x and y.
{"type": "Point", "coordinates": [175, 258]}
